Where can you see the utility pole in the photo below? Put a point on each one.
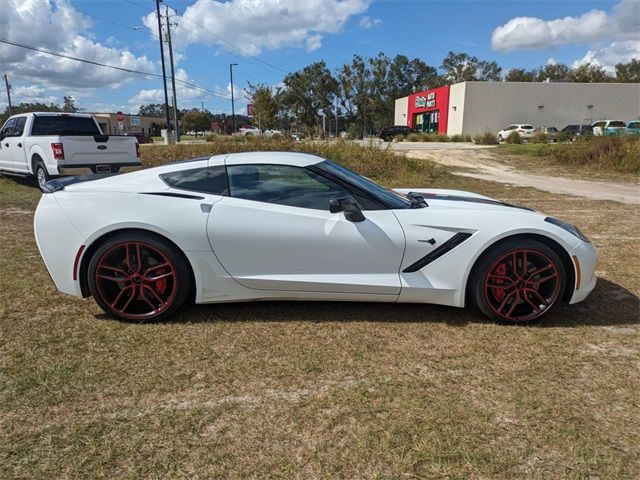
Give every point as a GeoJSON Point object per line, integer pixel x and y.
{"type": "Point", "coordinates": [6, 82]}
{"type": "Point", "coordinates": [233, 108]}
{"type": "Point", "coordinates": [164, 72]}
{"type": "Point", "coordinates": [173, 77]}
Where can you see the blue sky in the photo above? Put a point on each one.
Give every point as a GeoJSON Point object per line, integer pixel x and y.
{"type": "Point", "coordinates": [270, 37]}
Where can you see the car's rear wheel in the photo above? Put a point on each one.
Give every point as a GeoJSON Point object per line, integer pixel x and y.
{"type": "Point", "coordinates": [41, 175]}
{"type": "Point", "coordinates": [518, 281]}
{"type": "Point", "coordinates": [139, 277]}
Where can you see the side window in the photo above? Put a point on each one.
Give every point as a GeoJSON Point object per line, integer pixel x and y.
{"type": "Point", "coordinates": [283, 185]}
{"type": "Point", "coordinates": [510, 127]}
{"type": "Point", "coordinates": [18, 128]}
{"type": "Point", "coordinates": [8, 128]}
{"type": "Point", "coordinates": [212, 180]}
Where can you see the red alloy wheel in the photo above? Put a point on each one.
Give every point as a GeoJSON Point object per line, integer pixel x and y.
{"type": "Point", "coordinates": [522, 285]}
{"type": "Point", "coordinates": [136, 280]}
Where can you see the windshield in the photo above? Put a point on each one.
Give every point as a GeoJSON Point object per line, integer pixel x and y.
{"type": "Point", "coordinates": [387, 197]}
{"type": "Point", "coordinates": [633, 125]}
{"type": "Point", "coordinates": [616, 123]}
{"type": "Point", "coordinates": [64, 125]}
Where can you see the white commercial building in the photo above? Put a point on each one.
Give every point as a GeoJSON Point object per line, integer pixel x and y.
{"type": "Point", "coordinates": [472, 107]}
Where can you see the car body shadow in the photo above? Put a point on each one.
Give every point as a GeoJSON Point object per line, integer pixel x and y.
{"type": "Point", "coordinates": [609, 304]}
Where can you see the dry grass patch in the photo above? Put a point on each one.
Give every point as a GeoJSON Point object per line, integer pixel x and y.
{"type": "Point", "coordinates": [316, 390]}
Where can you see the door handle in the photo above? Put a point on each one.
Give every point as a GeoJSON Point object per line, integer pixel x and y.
{"type": "Point", "coordinates": [19, 145]}
{"type": "Point", "coordinates": [6, 144]}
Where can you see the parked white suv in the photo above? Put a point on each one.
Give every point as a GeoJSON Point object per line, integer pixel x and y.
{"type": "Point", "coordinates": [523, 129]}
{"type": "Point", "coordinates": [608, 127]}
{"type": "Point", "coordinates": [48, 144]}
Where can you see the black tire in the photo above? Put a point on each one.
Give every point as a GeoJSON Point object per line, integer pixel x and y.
{"type": "Point", "coordinates": [123, 289]}
{"type": "Point", "coordinates": [500, 139]}
{"type": "Point", "coordinates": [40, 174]}
{"type": "Point", "coordinates": [493, 281]}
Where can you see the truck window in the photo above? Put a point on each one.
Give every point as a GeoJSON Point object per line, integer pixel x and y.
{"type": "Point", "coordinates": [18, 128]}
{"type": "Point", "coordinates": [64, 125]}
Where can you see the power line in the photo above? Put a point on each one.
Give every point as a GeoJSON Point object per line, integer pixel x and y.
{"type": "Point", "coordinates": [148, 30]}
{"type": "Point", "coordinates": [243, 56]}
{"type": "Point", "coordinates": [122, 69]}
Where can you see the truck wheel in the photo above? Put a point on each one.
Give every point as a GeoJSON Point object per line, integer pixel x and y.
{"type": "Point", "coordinates": [41, 174]}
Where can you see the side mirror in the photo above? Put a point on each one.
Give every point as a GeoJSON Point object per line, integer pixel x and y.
{"type": "Point", "coordinates": [350, 208]}
{"type": "Point", "coordinates": [3, 134]}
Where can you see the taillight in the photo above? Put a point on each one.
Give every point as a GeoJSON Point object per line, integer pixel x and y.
{"type": "Point", "coordinates": [58, 151]}
{"type": "Point", "coordinates": [137, 150]}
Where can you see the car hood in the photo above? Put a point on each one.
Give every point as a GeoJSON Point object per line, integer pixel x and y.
{"type": "Point", "coordinates": [460, 200]}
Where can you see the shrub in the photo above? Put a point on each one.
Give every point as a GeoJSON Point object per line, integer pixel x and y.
{"type": "Point", "coordinates": [414, 137]}
{"type": "Point", "coordinates": [614, 153]}
{"type": "Point", "coordinates": [486, 138]}
{"type": "Point", "coordinates": [210, 137]}
{"type": "Point", "coordinates": [564, 137]}
{"type": "Point", "coordinates": [513, 137]}
{"type": "Point", "coordinates": [383, 165]}
{"type": "Point", "coordinates": [539, 137]}
{"type": "Point", "coordinates": [459, 137]}
{"type": "Point", "coordinates": [399, 137]}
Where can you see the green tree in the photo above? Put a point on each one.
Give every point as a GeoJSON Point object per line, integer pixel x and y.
{"type": "Point", "coordinates": [461, 67]}
{"type": "Point", "coordinates": [265, 106]}
{"type": "Point", "coordinates": [355, 88]}
{"type": "Point", "coordinates": [520, 75]}
{"type": "Point", "coordinates": [589, 72]}
{"type": "Point", "coordinates": [26, 107]}
{"type": "Point", "coordinates": [628, 72]}
{"type": "Point", "coordinates": [552, 71]}
{"type": "Point", "coordinates": [307, 95]}
{"type": "Point", "coordinates": [196, 120]}
{"type": "Point", "coordinates": [69, 105]}
{"type": "Point", "coordinates": [152, 110]}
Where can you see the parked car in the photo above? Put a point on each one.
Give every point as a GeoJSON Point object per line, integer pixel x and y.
{"type": "Point", "coordinates": [249, 130]}
{"type": "Point", "coordinates": [633, 127]}
{"type": "Point", "coordinates": [390, 133]}
{"type": "Point", "coordinates": [523, 129]}
{"type": "Point", "coordinates": [50, 144]}
{"type": "Point", "coordinates": [578, 130]}
{"type": "Point", "coordinates": [141, 137]}
{"type": "Point", "coordinates": [285, 225]}
{"type": "Point", "coordinates": [608, 127]}
{"type": "Point", "coordinates": [550, 132]}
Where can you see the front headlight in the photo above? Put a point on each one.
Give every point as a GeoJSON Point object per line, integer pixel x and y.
{"type": "Point", "coordinates": [572, 229]}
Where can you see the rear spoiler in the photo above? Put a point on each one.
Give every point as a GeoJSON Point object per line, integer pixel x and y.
{"type": "Point", "coordinates": [60, 183]}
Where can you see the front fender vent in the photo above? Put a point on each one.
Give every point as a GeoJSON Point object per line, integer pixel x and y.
{"type": "Point", "coordinates": [447, 246]}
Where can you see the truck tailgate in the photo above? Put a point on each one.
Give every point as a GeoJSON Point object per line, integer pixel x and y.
{"type": "Point", "coordinates": [82, 150]}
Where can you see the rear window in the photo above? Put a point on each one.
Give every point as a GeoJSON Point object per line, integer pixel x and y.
{"type": "Point", "coordinates": [527, 127]}
{"type": "Point", "coordinates": [552, 129]}
{"type": "Point", "coordinates": [616, 123]}
{"type": "Point", "coordinates": [212, 180]}
{"type": "Point", "coordinates": [634, 125]}
{"type": "Point", "coordinates": [64, 125]}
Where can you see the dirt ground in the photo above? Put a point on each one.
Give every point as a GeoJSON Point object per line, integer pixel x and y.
{"type": "Point", "coordinates": [482, 164]}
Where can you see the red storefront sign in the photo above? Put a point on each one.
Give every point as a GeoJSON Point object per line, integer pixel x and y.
{"type": "Point", "coordinates": [429, 110]}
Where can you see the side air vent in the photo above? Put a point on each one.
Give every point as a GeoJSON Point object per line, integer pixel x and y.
{"type": "Point", "coordinates": [447, 246]}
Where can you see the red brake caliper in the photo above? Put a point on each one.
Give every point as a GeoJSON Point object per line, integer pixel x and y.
{"type": "Point", "coordinates": [161, 285]}
{"type": "Point", "coordinates": [498, 293]}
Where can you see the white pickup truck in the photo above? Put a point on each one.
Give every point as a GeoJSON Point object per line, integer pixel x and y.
{"type": "Point", "coordinates": [47, 144]}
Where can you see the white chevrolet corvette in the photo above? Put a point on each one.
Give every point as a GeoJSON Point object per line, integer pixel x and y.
{"type": "Point", "coordinates": [290, 226]}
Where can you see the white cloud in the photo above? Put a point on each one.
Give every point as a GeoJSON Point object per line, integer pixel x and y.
{"type": "Point", "coordinates": [187, 96]}
{"type": "Point", "coordinates": [367, 22]}
{"type": "Point", "coordinates": [251, 26]}
{"type": "Point", "coordinates": [57, 26]}
{"type": "Point", "coordinates": [552, 61]}
{"type": "Point", "coordinates": [608, 57]}
{"type": "Point", "coordinates": [522, 33]}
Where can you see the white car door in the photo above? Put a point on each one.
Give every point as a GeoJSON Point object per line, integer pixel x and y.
{"type": "Point", "coordinates": [6, 144]}
{"type": "Point", "coordinates": [275, 232]}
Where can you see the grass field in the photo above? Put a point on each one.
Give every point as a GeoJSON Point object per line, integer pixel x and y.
{"type": "Point", "coordinates": [317, 390]}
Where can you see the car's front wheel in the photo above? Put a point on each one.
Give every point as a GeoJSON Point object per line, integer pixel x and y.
{"type": "Point", "coordinates": [518, 281]}
{"type": "Point", "coordinates": [139, 276]}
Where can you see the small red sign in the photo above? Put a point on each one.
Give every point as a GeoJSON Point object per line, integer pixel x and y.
{"type": "Point", "coordinates": [119, 116]}
{"type": "Point", "coordinates": [250, 110]}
